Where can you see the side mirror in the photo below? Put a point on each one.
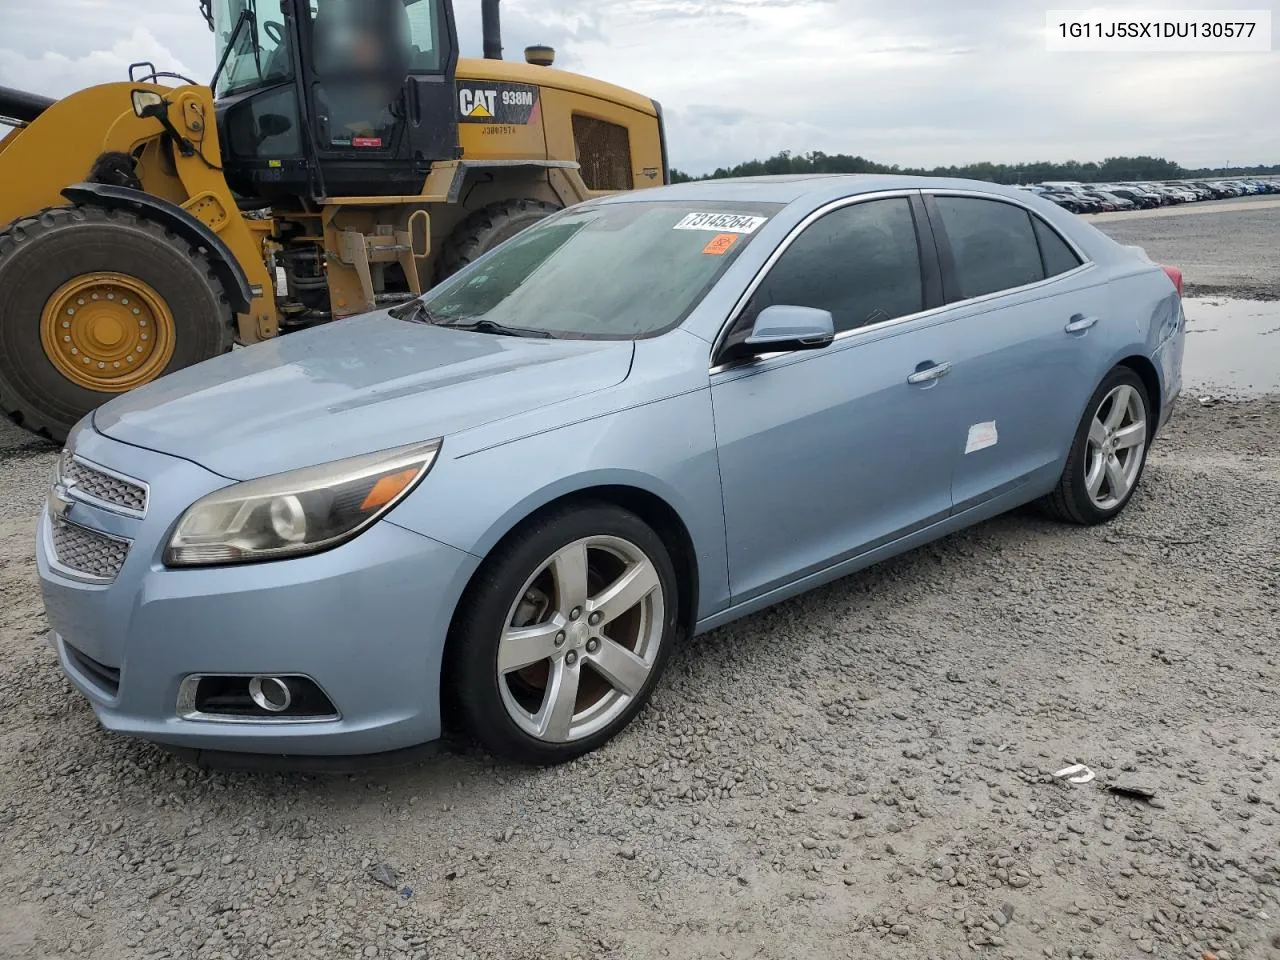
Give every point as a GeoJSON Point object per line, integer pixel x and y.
{"type": "Point", "coordinates": [781, 327]}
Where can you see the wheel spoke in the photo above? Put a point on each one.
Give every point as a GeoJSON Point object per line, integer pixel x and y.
{"type": "Point", "coordinates": [1131, 436]}
{"type": "Point", "coordinates": [1097, 434]}
{"type": "Point", "coordinates": [1119, 406]}
{"type": "Point", "coordinates": [623, 669]}
{"type": "Point", "coordinates": [521, 647]}
{"type": "Point", "coordinates": [555, 717]}
{"type": "Point", "coordinates": [1115, 477]}
{"type": "Point", "coordinates": [639, 580]}
{"type": "Point", "coordinates": [569, 570]}
{"type": "Point", "coordinates": [1093, 479]}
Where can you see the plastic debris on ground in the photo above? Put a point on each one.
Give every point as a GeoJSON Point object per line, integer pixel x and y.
{"type": "Point", "coordinates": [1076, 773]}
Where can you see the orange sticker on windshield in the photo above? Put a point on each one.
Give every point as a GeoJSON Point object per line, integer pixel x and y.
{"type": "Point", "coordinates": [720, 244]}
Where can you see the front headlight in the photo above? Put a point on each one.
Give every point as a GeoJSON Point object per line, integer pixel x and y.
{"type": "Point", "coordinates": [299, 512]}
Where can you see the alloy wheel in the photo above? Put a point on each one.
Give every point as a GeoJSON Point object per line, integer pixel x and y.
{"type": "Point", "coordinates": [1116, 446]}
{"type": "Point", "coordinates": [581, 639]}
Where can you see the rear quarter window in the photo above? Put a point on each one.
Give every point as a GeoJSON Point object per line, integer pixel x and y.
{"type": "Point", "coordinates": [1058, 257]}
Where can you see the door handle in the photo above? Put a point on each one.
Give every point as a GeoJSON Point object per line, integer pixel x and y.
{"type": "Point", "coordinates": [1080, 323]}
{"type": "Point", "coordinates": [929, 374]}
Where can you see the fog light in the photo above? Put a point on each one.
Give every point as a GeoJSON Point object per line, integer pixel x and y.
{"type": "Point", "coordinates": [270, 693]}
{"type": "Point", "coordinates": [286, 698]}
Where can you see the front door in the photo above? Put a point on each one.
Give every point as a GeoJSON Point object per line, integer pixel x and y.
{"type": "Point", "coordinates": [827, 454]}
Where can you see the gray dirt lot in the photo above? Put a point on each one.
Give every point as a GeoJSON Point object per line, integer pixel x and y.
{"type": "Point", "coordinates": [1224, 248]}
{"type": "Point", "coordinates": [863, 771]}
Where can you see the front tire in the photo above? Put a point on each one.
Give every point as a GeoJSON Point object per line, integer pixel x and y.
{"type": "Point", "coordinates": [488, 227]}
{"type": "Point", "coordinates": [563, 634]}
{"type": "Point", "coordinates": [94, 303]}
{"type": "Point", "coordinates": [1108, 455]}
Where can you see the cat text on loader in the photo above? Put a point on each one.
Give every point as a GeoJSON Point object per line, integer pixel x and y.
{"type": "Point", "coordinates": [342, 159]}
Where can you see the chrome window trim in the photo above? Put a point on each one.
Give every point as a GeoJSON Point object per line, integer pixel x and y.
{"type": "Point", "coordinates": [744, 299]}
{"type": "Point", "coordinates": [187, 702]}
{"type": "Point", "coordinates": [51, 553]}
{"type": "Point", "coordinates": [76, 493]}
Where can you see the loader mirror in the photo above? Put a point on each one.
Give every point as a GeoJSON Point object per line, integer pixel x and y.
{"type": "Point", "coordinates": [147, 103]}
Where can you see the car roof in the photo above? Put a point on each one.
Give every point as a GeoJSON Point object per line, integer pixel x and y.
{"type": "Point", "coordinates": [801, 195]}
{"type": "Point", "coordinates": [816, 188]}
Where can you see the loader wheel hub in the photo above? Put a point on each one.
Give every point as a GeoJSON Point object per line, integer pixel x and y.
{"type": "Point", "coordinates": [107, 331]}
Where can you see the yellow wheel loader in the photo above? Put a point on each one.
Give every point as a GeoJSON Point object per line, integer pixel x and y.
{"type": "Point", "coordinates": [342, 159]}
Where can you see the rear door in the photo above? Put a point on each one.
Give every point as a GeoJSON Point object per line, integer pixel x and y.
{"type": "Point", "coordinates": [1025, 314]}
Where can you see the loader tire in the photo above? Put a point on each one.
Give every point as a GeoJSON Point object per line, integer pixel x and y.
{"type": "Point", "coordinates": [488, 227]}
{"type": "Point", "coordinates": [94, 303]}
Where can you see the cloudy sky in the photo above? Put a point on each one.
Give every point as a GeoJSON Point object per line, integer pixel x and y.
{"type": "Point", "coordinates": [914, 82]}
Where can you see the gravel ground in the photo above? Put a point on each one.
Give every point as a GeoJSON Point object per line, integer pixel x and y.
{"type": "Point", "coordinates": [1224, 248]}
{"type": "Point", "coordinates": [863, 771]}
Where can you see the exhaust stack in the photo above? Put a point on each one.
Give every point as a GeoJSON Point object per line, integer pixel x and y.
{"type": "Point", "coordinates": [491, 21]}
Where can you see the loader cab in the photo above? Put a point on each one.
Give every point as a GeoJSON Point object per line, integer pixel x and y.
{"type": "Point", "coordinates": [334, 97]}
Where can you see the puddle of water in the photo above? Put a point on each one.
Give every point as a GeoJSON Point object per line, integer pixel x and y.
{"type": "Point", "coordinates": [1233, 346]}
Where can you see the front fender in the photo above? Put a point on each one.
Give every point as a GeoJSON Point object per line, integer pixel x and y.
{"type": "Point", "coordinates": [228, 270]}
{"type": "Point", "coordinates": [665, 448]}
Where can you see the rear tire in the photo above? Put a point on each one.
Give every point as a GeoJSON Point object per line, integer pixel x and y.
{"type": "Point", "coordinates": [1108, 455]}
{"type": "Point", "coordinates": [528, 629]}
{"type": "Point", "coordinates": [488, 227]}
{"type": "Point", "coordinates": [45, 259]}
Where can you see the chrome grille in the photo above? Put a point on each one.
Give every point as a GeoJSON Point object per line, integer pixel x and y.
{"type": "Point", "coordinates": [102, 486]}
{"type": "Point", "coordinates": [87, 552]}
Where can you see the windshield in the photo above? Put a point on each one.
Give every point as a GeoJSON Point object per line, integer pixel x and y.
{"type": "Point", "coordinates": [353, 37]}
{"type": "Point", "coordinates": [250, 64]}
{"type": "Point", "coordinates": [619, 271]}
{"type": "Point", "coordinates": [359, 38]}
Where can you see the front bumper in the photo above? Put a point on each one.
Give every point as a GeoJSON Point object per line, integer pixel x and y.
{"type": "Point", "coordinates": [366, 622]}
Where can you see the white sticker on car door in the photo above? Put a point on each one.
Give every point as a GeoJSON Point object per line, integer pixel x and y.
{"type": "Point", "coordinates": [982, 436]}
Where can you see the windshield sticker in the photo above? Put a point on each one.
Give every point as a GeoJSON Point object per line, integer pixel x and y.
{"type": "Point", "coordinates": [720, 245]}
{"type": "Point", "coordinates": [721, 222]}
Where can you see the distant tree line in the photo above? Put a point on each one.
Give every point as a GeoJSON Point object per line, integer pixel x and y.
{"type": "Point", "coordinates": [1111, 169]}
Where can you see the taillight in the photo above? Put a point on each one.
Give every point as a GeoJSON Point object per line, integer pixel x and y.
{"type": "Point", "coordinates": [1176, 276]}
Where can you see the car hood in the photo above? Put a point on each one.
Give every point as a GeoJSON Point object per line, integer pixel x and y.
{"type": "Point", "coordinates": [353, 387]}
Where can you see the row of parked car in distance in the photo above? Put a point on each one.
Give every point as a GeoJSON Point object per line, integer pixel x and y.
{"type": "Point", "coordinates": [1105, 197]}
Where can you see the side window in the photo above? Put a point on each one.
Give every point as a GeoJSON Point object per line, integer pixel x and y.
{"type": "Point", "coordinates": [861, 262]}
{"type": "Point", "coordinates": [993, 243]}
{"type": "Point", "coordinates": [1057, 256]}
{"type": "Point", "coordinates": [423, 35]}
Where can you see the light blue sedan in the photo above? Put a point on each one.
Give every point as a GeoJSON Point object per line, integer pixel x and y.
{"type": "Point", "coordinates": [502, 505]}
